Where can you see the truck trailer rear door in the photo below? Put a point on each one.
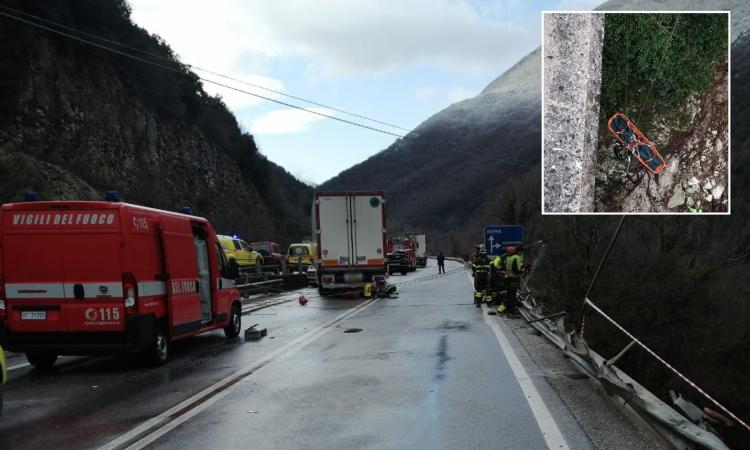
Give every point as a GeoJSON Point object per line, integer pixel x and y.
{"type": "Point", "coordinates": [367, 217]}
{"type": "Point", "coordinates": [335, 230]}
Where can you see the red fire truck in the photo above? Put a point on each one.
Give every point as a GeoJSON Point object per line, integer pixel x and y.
{"type": "Point", "coordinates": [85, 277]}
{"type": "Point", "coordinates": [407, 245]}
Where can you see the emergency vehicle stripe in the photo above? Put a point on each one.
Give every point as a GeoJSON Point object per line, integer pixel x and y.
{"type": "Point", "coordinates": [90, 290]}
{"type": "Point", "coordinates": [34, 290]}
{"type": "Point", "coordinates": [95, 290]}
{"type": "Point", "coordinates": [63, 290]}
{"type": "Point", "coordinates": [147, 288]}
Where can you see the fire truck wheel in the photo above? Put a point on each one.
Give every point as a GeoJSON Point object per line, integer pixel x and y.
{"type": "Point", "coordinates": [158, 352]}
{"type": "Point", "coordinates": [41, 360]}
{"type": "Point", "coordinates": [235, 322]}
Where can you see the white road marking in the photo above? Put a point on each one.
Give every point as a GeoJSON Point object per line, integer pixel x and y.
{"type": "Point", "coordinates": [547, 425]}
{"type": "Point", "coordinates": [168, 420]}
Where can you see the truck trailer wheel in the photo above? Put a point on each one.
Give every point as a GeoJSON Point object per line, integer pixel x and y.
{"type": "Point", "coordinates": [41, 360]}
{"type": "Point", "coordinates": [157, 353]}
{"type": "Point", "coordinates": [403, 271]}
{"type": "Point", "coordinates": [235, 322]}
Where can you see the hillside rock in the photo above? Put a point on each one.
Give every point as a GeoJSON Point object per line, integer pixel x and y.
{"type": "Point", "coordinates": [76, 120]}
{"type": "Point", "coordinates": [697, 169]}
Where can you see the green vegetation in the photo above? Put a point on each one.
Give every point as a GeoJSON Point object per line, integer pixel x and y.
{"type": "Point", "coordinates": [657, 60]}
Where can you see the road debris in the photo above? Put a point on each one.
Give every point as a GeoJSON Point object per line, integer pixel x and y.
{"type": "Point", "coordinates": [254, 333]}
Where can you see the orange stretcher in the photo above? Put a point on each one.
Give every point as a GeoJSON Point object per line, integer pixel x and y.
{"type": "Point", "coordinates": [636, 143]}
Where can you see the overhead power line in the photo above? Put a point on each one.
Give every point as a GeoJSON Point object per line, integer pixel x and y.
{"type": "Point", "coordinates": [206, 80]}
{"type": "Point", "coordinates": [201, 69]}
{"type": "Point", "coordinates": [217, 83]}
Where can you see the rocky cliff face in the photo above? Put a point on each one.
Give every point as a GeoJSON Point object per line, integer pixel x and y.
{"type": "Point", "coordinates": [76, 120]}
{"type": "Point", "coordinates": [694, 144]}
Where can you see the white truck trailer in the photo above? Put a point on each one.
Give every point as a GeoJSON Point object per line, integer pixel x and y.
{"type": "Point", "coordinates": [421, 250]}
{"type": "Point", "coordinates": [350, 232]}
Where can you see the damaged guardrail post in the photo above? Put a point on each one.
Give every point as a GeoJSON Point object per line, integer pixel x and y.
{"type": "Point", "coordinates": [617, 357]}
{"type": "Point", "coordinates": [582, 316]}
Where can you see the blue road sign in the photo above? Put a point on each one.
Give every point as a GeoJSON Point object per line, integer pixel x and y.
{"type": "Point", "coordinates": [498, 237]}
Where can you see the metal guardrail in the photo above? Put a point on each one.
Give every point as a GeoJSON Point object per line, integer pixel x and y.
{"type": "Point", "coordinates": [676, 430]}
{"type": "Point", "coordinates": [247, 289]}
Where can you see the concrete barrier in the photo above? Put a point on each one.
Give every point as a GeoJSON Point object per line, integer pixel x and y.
{"type": "Point", "coordinates": [572, 58]}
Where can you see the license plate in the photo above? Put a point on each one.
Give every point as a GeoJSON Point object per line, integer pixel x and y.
{"type": "Point", "coordinates": [33, 315]}
{"type": "Point", "coordinates": [352, 277]}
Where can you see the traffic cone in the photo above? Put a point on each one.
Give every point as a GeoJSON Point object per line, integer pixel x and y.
{"type": "Point", "coordinates": [302, 300]}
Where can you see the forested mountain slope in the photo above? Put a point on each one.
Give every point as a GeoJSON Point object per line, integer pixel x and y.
{"type": "Point", "coordinates": [76, 120]}
{"type": "Point", "coordinates": [438, 175]}
{"type": "Point", "coordinates": [442, 177]}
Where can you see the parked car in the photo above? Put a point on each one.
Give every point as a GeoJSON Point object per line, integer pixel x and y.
{"type": "Point", "coordinates": [302, 255]}
{"type": "Point", "coordinates": [273, 259]}
{"type": "Point", "coordinates": [241, 253]}
{"type": "Point", "coordinates": [397, 261]}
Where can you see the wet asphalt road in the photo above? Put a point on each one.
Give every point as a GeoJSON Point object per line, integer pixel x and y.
{"type": "Point", "coordinates": [425, 371]}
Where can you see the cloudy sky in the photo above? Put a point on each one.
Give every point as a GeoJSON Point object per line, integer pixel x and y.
{"type": "Point", "coordinates": [395, 61]}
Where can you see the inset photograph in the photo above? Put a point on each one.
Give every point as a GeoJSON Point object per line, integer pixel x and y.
{"type": "Point", "coordinates": [635, 113]}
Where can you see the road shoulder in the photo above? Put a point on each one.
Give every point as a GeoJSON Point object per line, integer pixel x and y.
{"type": "Point", "coordinates": [603, 424]}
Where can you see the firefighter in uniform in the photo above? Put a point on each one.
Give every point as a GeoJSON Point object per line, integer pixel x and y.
{"type": "Point", "coordinates": [497, 278]}
{"type": "Point", "coordinates": [513, 271]}
{"type": "Point", "coordinates": [480, 268]}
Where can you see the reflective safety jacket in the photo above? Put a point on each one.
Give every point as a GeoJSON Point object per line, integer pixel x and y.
{"type": "Point", "coordinates": [514, 264]}
{"type": "Point", "coordinates": [497, 263]}
{"type": "Point", "coordinates": [481, 264]}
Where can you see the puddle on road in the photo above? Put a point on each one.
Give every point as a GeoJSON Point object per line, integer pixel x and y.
{"type": "Point", "coordinates": [442, 357]}
{"type": "Point", "coordinates": [452, 325]}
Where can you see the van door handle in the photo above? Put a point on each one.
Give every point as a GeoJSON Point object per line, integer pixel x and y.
{"type": "Point", "coordinates": [78, 292]}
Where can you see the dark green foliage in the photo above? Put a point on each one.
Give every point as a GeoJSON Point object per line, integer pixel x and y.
{"type": "Point", "coordinates": [656, 60]}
